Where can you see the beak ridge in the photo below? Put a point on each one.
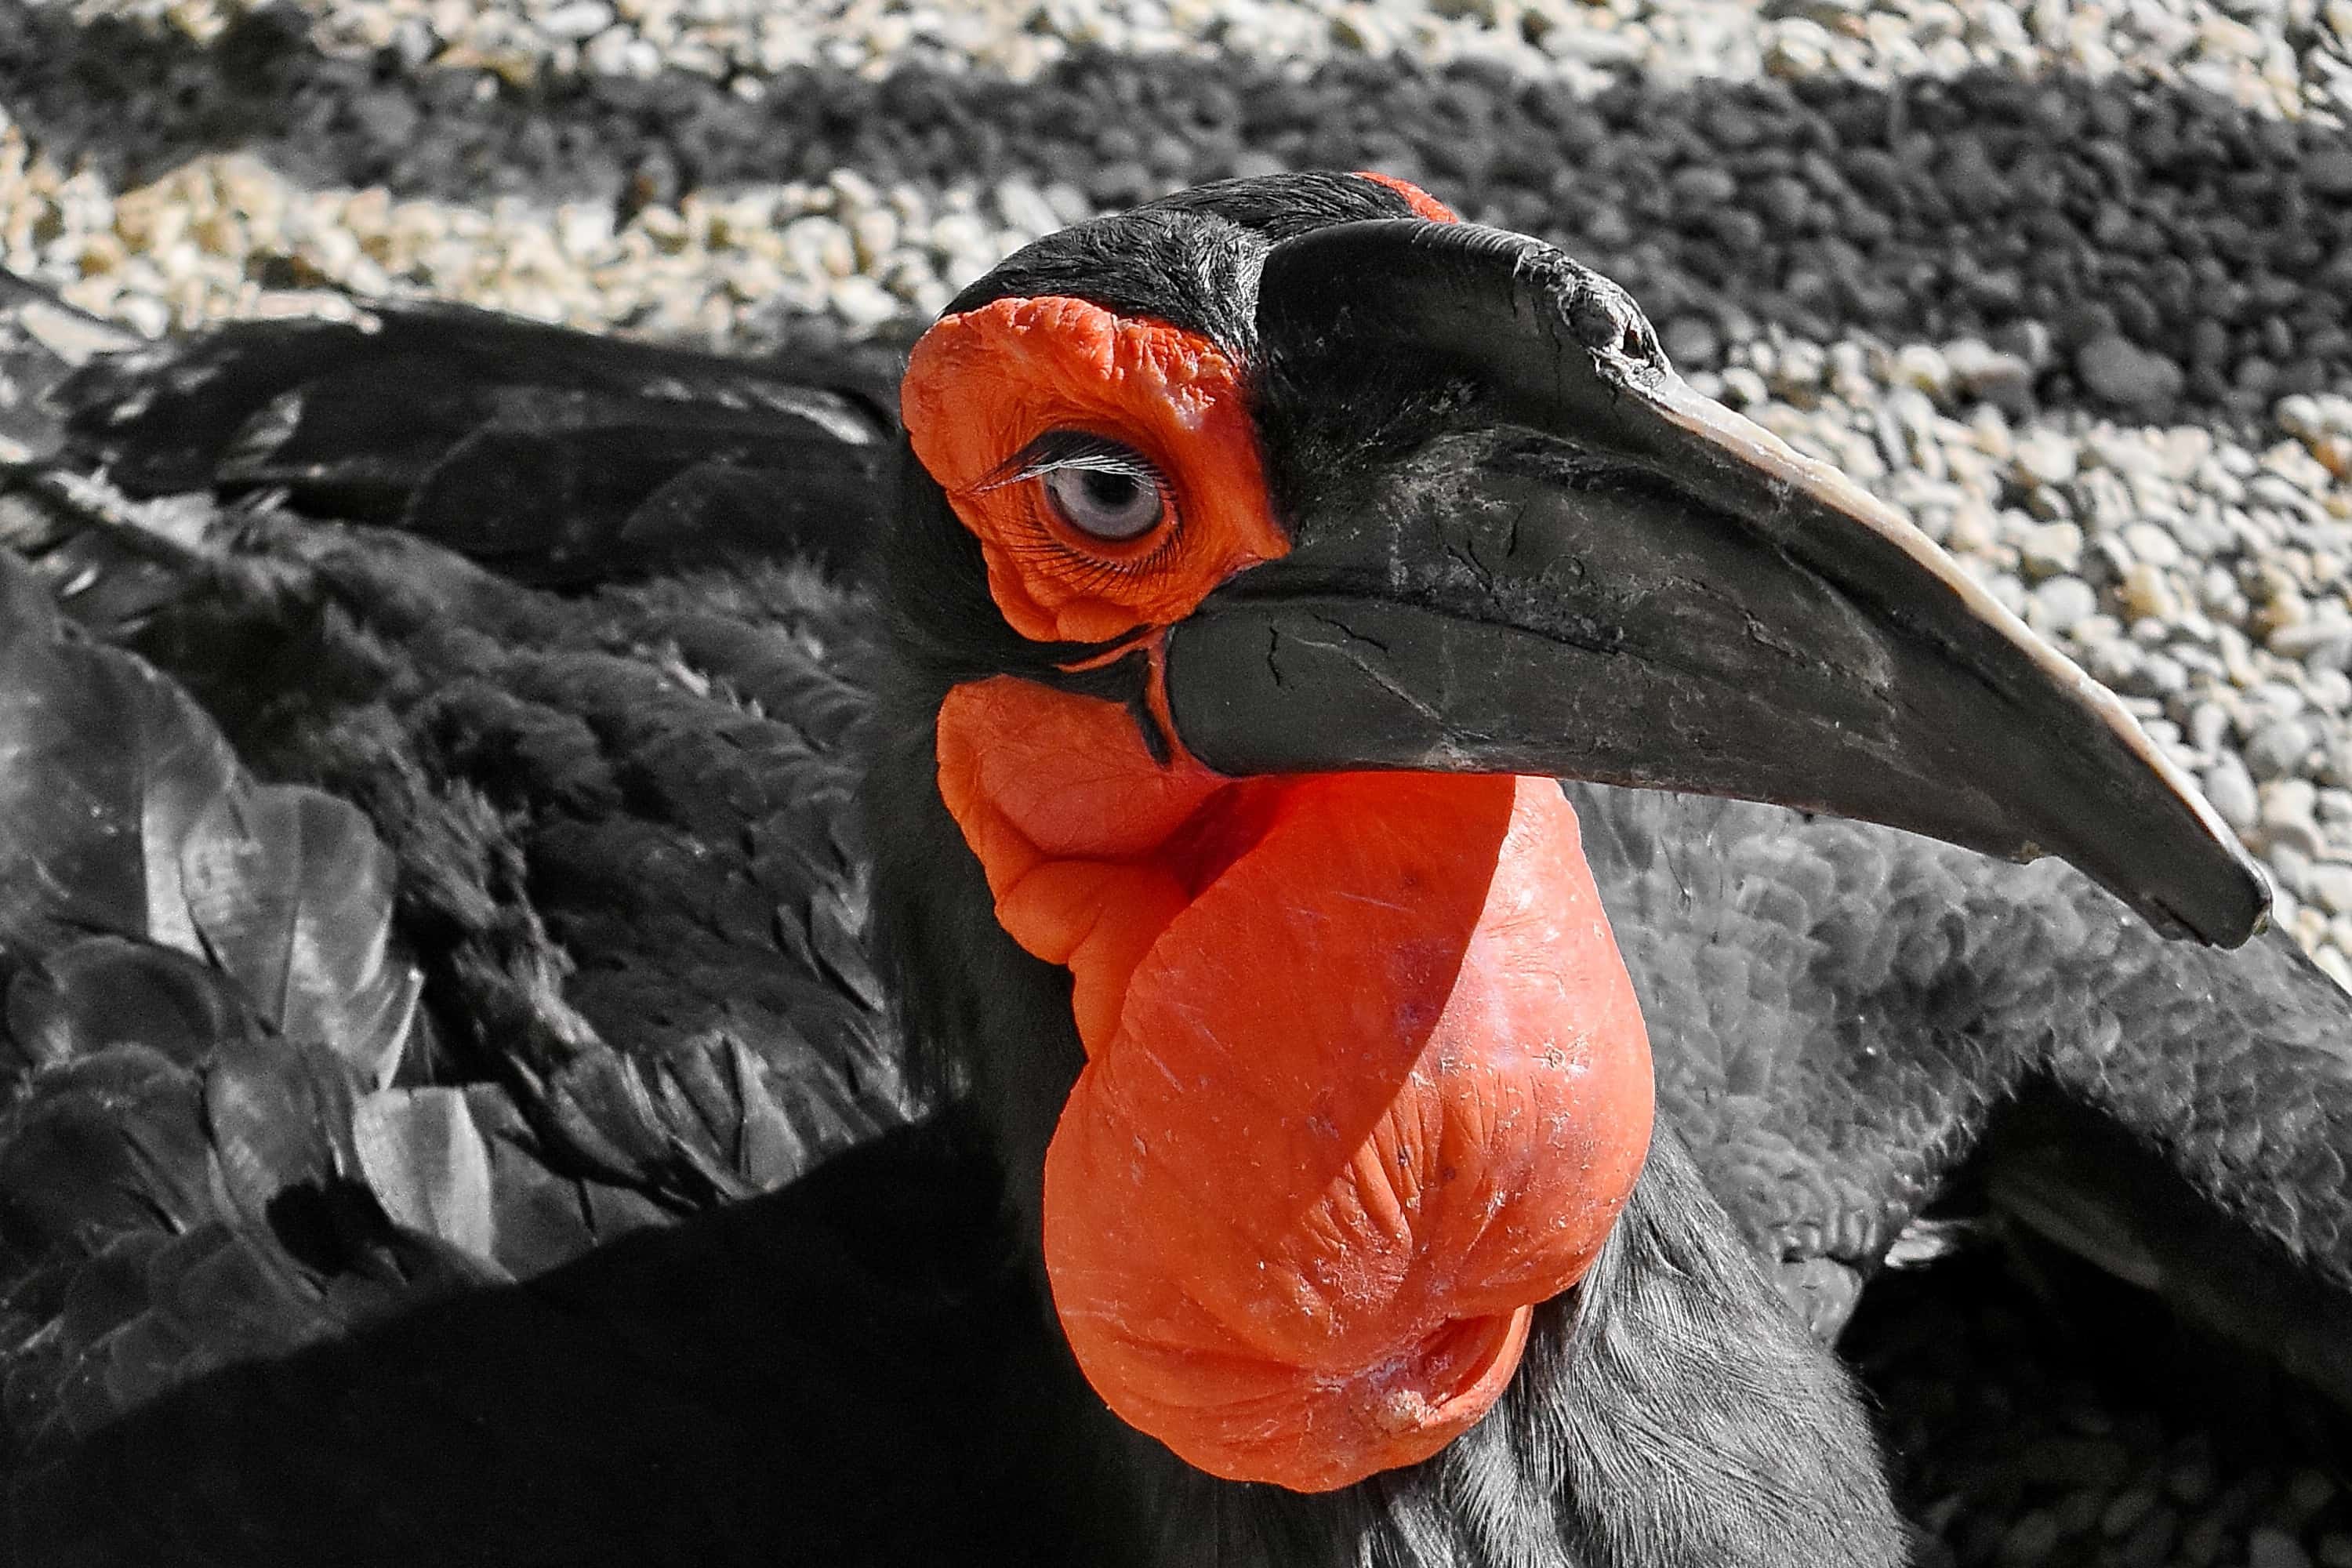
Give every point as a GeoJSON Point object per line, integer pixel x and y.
{"type": "Point", "coordinates": [1586, 568]}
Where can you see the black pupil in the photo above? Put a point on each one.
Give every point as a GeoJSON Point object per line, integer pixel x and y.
{"type": "Point", "coordinates": [1110, 491]}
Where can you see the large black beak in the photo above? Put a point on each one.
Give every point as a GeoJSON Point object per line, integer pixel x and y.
{"type": "Point", "coordinates": [1545, 554]}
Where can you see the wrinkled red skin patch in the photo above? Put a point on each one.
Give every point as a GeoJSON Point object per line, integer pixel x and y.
{"type": "Point", "coordinates": [980, 386]}
{"type": "Point", "coordinates": [1423, 205]}
{"type": "Point", "coordinates": [1366, 1079]}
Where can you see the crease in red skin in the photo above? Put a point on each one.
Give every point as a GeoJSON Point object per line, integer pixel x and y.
{"type": "Point", "coordinates": [981, 384]}
{"type": "Point", "coordinates": [1365, 1079]}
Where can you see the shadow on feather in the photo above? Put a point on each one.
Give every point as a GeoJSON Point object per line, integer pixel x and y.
{"type": "Point", "coordinates": [846, 1366]}
{"type": "Point", "coordinates": [202, 1007]}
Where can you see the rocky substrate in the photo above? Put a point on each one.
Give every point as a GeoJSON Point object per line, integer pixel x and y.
{"type": "Point", "coordinates": [2165, 249]}
{"type": "Point", "coordinates": [2281, 55]}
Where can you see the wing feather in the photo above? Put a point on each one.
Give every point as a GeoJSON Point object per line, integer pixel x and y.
{"type": "Point", "coordinates": [291, 892]}
{"type": "Point", "coordinates": [556, 457]}
{"type": "Point", "coordinates": [199, 985]}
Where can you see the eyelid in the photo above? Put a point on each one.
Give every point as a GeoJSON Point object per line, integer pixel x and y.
{"type": "Point", "coordinates": [1058, 450]}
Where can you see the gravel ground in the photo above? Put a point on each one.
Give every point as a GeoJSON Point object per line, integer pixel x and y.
{"type": "Point", "coordinates": [2071, 284]}
{"type": "Point", "coordinates": [2284, 57]}
{"type": "Point", "coordinates": [2175, 251]}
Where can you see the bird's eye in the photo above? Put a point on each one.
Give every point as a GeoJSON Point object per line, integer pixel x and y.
{"type": "Point", "coordinates": [1104, 502]}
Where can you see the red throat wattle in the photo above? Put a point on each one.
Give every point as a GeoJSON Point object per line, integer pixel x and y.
{"type": "Point", "coordinates": [1366, 1079]}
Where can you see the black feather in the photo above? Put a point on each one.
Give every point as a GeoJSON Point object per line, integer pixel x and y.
{"type": "Point", "coordinates": [100, 814]}
{"type": "Point", "coordinates": [291, 895]}
{"type": "Point", "coordinates": [562, 457]}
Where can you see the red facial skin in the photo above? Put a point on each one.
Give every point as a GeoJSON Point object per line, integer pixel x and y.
{"type": "Point", "coordinates": [1423, 205]}
{"type": "Point", "coordinates": [1366, 1079]}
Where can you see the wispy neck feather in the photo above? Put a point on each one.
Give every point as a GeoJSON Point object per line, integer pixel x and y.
{"type": "Point", "coordinates": [1669, 1412]}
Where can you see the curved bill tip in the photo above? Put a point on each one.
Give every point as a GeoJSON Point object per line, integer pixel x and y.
{"type": "Point", "coordinates": [1581, 566]}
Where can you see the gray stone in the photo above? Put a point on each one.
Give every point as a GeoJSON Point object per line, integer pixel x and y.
{"type": "Point", "coordinates": [2114, 663]}
{"type": "Point", "coordinates": [2026, 338]}
{"type": "Point", "coordinates": [1923, 367]}
{"type": "Point", "coordinates": [2080, 1462]}
{"type": "Point", "coordinates": [2126, 1510]}
{"type": "Point", "coordinates": [2331, 886]}
{"type": "Point", "coordinates": [2271, 1547]}
{"type": "Point", "coordinates": [2329, 172]}
{"type": "Point", "coordinates": [2232, 790]}
{"type": "Point", "coordinates": [2049, 503]}
{"type": "Point", "coordinates": [2209, 725]}
{"type": "Point", "coordinates": [2160, 675]}
{"type": "Point", "coordinates": [2046, 457]}
{"type": "Point", "coordinates": [2297, 637]}
{"type": "Point", "coordinates": [1971, 529]}
{"type": "Point", "coordinates": [580, 19]}
{"type": "Point", "coordinates": [1983, 372]}
{"type": "Point", "coordinates": [2278, 748]}
{"type": "Point", "coordinates": [1799, 49]}
{"type": "Point", "coordinates": [2110, 499]}
{"type": "Point", "coordinates": [2058, 604]}
{"type": "Point", "coordinates": [2148, 596]}
{"type": "Point", "coordinates": [2307, 1490]}
{"type": "Point", "coordinates": [2150, 1542]}
{"type": "Point", "coordinates": [1743, 388]}
{"type": "Point", "coordinates": [1701, 187]}
{"type": "Point", "coordinates": [2115, 369]}
{"type": "Point", "coordinates": [1691, 339]}
{"type": "Point", "coordinates": [2078, 1512]}
{"type": "Point", "coordinates": [2275, 699]}
{"type": "Point", "coordinates": [2195, 630]}
{"type": "Point", "coordinates": [2197, 660]}
{"type": "Point", "coordinates": [2030, 1540]}
{"type": "Point", "coordinates": [2292, 870]}
{"type": "Point", "coordinates": [2048, 549]}
{"type": "Point", "coordinates": [2288, 817]}
{"type": "Point", "coordinates": [2152, 544]}
{"type": "Point", "coordinates": [2005, 587]}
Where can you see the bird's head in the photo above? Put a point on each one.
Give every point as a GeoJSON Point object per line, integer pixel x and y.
{"type": "Point", "coordinates": [1265, 552]}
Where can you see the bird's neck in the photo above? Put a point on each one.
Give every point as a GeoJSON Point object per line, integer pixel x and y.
{"type": "Point", "coordinates": [1364, 1079]}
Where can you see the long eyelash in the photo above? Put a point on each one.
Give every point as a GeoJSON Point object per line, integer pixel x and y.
{"type": "Point", "coordinates": [1059, 450]}
{"type": "Point", "coordinates": [1089, 571]}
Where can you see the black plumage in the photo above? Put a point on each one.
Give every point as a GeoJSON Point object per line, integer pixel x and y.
{"type": "Point", "coordinates": [507, 1049]}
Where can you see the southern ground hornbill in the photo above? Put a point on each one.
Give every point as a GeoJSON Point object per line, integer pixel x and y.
{"type": "Point", "coordinates": [612, 955]}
